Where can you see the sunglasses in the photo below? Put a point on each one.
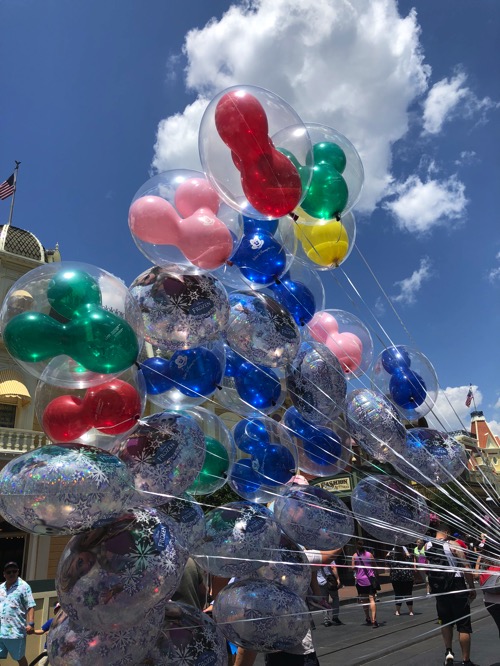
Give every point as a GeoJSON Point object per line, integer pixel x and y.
{"type": "Point", "coordinates": [11, 571]}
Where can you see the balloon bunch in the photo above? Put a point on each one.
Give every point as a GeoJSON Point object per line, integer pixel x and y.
{"type": "Point", "coordinates": [270, 210]}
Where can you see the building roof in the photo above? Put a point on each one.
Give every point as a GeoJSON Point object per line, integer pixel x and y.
{"type": "Point", "coordinates": [21, 242]}
{"type": "Point", "coordinates": [480, 428]}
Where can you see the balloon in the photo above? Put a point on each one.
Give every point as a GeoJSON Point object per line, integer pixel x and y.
{"type": "Point", "coordinates": [258, 386]}
{"type": "Point", "coordinates": [238, 535]}
{"type": "Point", "coordinates": [189, 637]}
{"type": "Point", "coordinates": [71, 289]}
{"type": "Point", "coordinates": [296, 297]}
{"type": "Point", "coordinates": [260, 257]}
{"type": "Point", "coordinates": [109, 576]}
{"type": "Point", "coordinates": [214, 468]}
{"type": "Point", "coordinates": [389, 510]}
{"type": "Point", "coordinates": [239, 157]}
{"type": "Point", "coordinates": [112, 408]}
{"type": "Point", "coordinates": [279, 617]}
{"type": "Point", "coordinates": [327, 194]}
{"type": "Point", "coordinates": [316, 384]}
{"type": "Point", "coordinates": [64, 489]}
{"type": "Point", "coordinates": [156, 374]}
{"type": "Point", "coordinates": [394, 358]}
{"type": "Point", "coordinates": [314, 517]}
{"type": "Point", "coordinates": [261, 330]}
{"type": "Point", "coordinates": [188, 516]}
{"type": "Point", "coordinates": [430, 457]}
{"type": "Point", "coordinates": [322, 326]}
{"type": "Point", "coordinates": [164, 454]}
{"type": "Point", "coordinates": [250, 225]}
{"type": "Point", "coordinates": [374, 424]}
{"type": "Point", "coordinates": [324, 244]}
{"type": "Point", "coordinates": [407, 388]}
{"type": "Point", "coordinates": [180, 311]}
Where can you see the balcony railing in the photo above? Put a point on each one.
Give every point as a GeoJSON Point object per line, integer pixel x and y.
{"type": "Point", "coordinates": [13, 441]}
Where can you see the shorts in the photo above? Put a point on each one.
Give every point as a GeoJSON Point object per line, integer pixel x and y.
{"type": "Point", "coordinates": [16, 647]}
{"type": "Point", "coordinates": [454, 608]}
{"type": "Point", "coordinates": [365, 590]}
{"type": "Point", "coordinates": [287, 659]}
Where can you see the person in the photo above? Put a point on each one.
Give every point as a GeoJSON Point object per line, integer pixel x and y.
{"type": "Point", "coordinates": [488, 564]}
{"type": "Point", "coordinates": [362, 565]}
{"type": "Point", "coordinates": [17, 614]}
{"type": "Point", "coordinates": [401, 574]}
{"type": "Point", "coordinates": [420, 559]}
{"type": "Point", "coordinates": [452, 582]}
{"type": "Point", "coordinates": [191, 589]}
{"type": "Point", "coordinates": [43, 658]}
{"type": "Point", "coordinates": [329, 583]}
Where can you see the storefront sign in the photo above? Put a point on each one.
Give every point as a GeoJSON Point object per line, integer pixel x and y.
{"type": "Point", "coordinates": [337, 485]}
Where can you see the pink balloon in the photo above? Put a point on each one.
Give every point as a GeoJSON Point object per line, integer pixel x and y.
{"type": "Point", "coordinates": [205, 240]}
{"type": "Point", "coordinates": [154, 220]}
{"type": "Point", "coordinates": [322, 325]}
{"type": "Point", "coordinates": [348, 348]}
{"type": "Point", "coordinates": [193, 194]}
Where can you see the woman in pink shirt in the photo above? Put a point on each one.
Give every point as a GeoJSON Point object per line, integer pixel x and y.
{"type": "Point", "coordinates": [362, 564]}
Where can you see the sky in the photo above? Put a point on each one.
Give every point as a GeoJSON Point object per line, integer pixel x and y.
{"type": "Point", "coordinates": [99, 95]}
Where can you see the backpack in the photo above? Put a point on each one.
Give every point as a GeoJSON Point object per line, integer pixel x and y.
{"type": "Point", "coordinates": [439, 572]}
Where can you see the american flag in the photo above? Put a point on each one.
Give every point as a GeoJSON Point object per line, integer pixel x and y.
{"type": "Point", "coordinates": [469, 397]}
{"type": "Point", "coordinates": [7, 188]}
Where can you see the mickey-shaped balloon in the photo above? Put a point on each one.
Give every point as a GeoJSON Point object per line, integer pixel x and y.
{"type": "Point", "coordinates": [407, 388]}
{"type": "Point", "coordinates": [327, 193]}
{"type": "Point", "coordinates": [260, 257]}
{"type": "Point", "coordinates": [296, 297]}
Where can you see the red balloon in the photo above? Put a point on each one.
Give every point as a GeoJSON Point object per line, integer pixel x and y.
{"type": "Point", "coordinates": [270, 181]}
{"type": "Point", "coordinates": [64, 419]}
{"type": "Point", "coordinates": [113, 407]}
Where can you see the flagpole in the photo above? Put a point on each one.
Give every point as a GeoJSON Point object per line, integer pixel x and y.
{"type": "Point", "coordinates": [473, 398]}
{"type": "Point", "coordinates": [14, 193]}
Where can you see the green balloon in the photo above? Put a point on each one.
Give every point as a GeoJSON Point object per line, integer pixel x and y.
{"type": "Point", "coordinates": [327, 193]}
{"type": "Point", "coordinates": [330, 153]}
{"type": "Point", "coordinates": [215, 466]}
{"type": "Point", "coordinates": [33, 337]}
{"type": "Point", "coordinates": [69, 289]}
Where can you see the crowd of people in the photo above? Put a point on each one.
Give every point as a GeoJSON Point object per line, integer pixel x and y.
{"type": "Point", "coordinates": [448, 565]}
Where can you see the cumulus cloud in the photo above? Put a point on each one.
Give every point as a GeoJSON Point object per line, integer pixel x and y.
{"type": "Point", "coordinates": [495, 427]}
{"type": "Point", "coordinates": [420, 206]}
{"type": "Point", "coordinates": [450, 98]}
{"type": "Point", "coordinates": [353, 65]}
{"type": "Point", "coordinates": [449, 412]}
{"type": "Point", "coordinates": [410, 286]}
{"type": "Point", "coordinates": [494, 273]}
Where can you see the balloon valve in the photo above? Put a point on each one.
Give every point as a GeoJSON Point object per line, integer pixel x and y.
{"type": "Point", "coordinates": [293, 216]}
{"type": "Point", "coordinates": [229, 263]}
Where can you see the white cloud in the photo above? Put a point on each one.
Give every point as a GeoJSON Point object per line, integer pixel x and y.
{"type": "Point", "coordinates": [410, 286]}
{"type": "Point", "coordinates": [494, 273]}
{"type": "Point", "coordinates": [467, 157]}
{"type": "Point", "coordinates": [495, 427]}
{"type": "Point", "coordinates": [420, 206]}
{"type": "Point", "coordinates": [449, 401]}
{"type": "Point", "coordinates": [497, 404]}
{"type": "Point", "coordinates": [353, 65]}
{"type": "Point", "coordinates": [450, 98]}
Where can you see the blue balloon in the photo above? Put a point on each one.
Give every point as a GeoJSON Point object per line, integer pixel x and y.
{"type": "Point", "coordinates": [233, 362]}
{"type": "Point", "coordinates": [276, 464]}
{"type": "Point", "coordinates": [258, 386]}
{"type": "Point", "coordinates": [395, 357]}
{"type": "Point", "coordinates": [407, 388]}
{"type": "Point", "coordinates": [251, 435]}
{"type": "Point", "coordinates": [244, 477]}
{"type": "Point", "coordinates": [260, 257]}
{"type": "Point", "coordinates": [155, 372]}
{"type": "Point", "coordinates": [195, 371]}
{"type": "Point", "coordinates": [296, 298]}
{"type": "Point", "coordinates": [250, 225]}
{"type": "Point", "coordinates": [322, 445]}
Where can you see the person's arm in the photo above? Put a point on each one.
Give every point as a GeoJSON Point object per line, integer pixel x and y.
{"type": "Point", "coordinates": [30, 620]}
{"type": "Point", "coordinates": [467, 572]}
{"type": "Point", "coordinates": [353, 564]}
{"type": "Point", "coordinates": [335, 572]}
{"type": "Point", "coordinates": [245, 657]}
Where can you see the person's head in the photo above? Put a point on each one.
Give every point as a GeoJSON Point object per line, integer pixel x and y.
{"type": "Point", "coordinates": [420, 543]}
{"type": "Point", "coordinates": [360, 547]}
{"type": "Point", "coordinates": [11, 572]}
{"type": "Point", "coordinates": [443, 532]}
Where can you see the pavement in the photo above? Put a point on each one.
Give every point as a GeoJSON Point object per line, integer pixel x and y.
{"type": "Point", "coordinates": [399, 640]}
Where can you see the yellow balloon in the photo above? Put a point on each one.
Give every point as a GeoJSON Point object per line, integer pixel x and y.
{"type": "Point", "coordinates": [325, 244]}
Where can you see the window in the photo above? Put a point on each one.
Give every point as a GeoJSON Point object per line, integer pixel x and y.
{"type": "Point", "coordinates": [7, 416]}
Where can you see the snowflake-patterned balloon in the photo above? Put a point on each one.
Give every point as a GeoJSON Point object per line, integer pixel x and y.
{"type": "Point", "coordinates": [314, 518]}
{"type": "Point", "coordinates": [180, 311]}
{"type": "Point", "coordinates": [261, 616]}
{"type": "Point", "coordinates": [64, 489]}
{"type": "Point", "coordinates": [189, 517]}
{"type": "Point", "coordinates": [188, 637]}
{"type": "Point", "coordinates": [389, 510]}
{"type": "Point", "coordinates": [110, 576]}
{"type": "Point", "coordinates": [239, 537]}
{"type": "Point", "coordinates": [261, 330]}
{"type": "Point", "coordinates": [71, 645]}
{"type": "Point", "coordinates": [316, 383]}
{"type": "Point", "coordinates": [165, 454]}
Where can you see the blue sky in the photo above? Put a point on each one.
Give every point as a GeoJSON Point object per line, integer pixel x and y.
{"type": "Point", "coordinates": [96, 95]}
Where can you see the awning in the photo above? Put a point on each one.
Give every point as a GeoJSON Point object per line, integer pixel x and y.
{"type": "Point", "coordinates": [12, 387]}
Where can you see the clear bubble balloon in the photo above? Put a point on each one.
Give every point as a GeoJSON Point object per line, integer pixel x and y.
{"type": "Point", "coordinates": [374, 424]}
{"type": "Point", "coordinates": [266, 459]}
{"type": "Point", "coordinates": [301, 292]}
{"type": "Point", "coordinates": [261, 330]}
{"type": "Point", "coordinates": [261, 616]}
{"type": "Point", "coordinates": [252, 173]}
{"type": "Point", "coordinates": [189, 637]}
{"type": "Point", "coordinates": [408, 379]}
{"type": "Point", "coordinates": [174, 220]}
{"type": "Point", "coordinates": [346, 337]}
{"type": "Point", "coordinates": [180, 311]}
{"type": "Point", "coordinates": [239, 537]}
{"type": "Point", "coordinates": [316, 384]}
{"type": "Point", "coordinates": [108, 577]}
{"type": "Point", "coordinates": [323, 451]}
{"type": "Point", "coordinates": [188, 516]}
{"type": "Point", "coordinates": [71, 645]}
{"type": "Point", "coordinates": [97, 416]}
{"type": "Point", "coordinates": [314, 517]}
{"type": "Point", "coordinates": [73, 323]}
{"type": "Point", "coordinates": [389, 510]}
{"type": "Point", "coordinates": [431, 457]}
{"type": "Point", "coordinates": [164, 454]}
{"type": "Point", "coordinates": [63, 489]}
